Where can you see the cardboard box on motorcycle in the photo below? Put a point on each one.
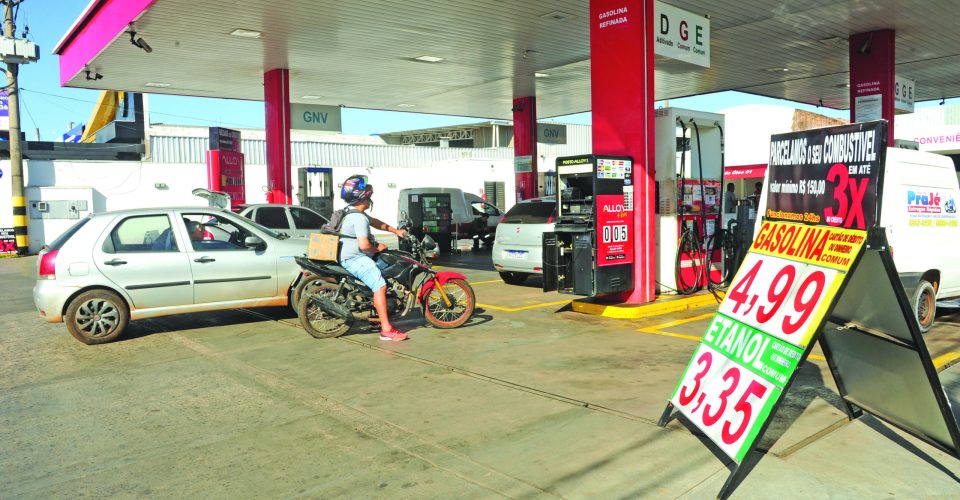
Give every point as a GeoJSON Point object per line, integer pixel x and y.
{"type": "Point", "coordinates": [919, 212]}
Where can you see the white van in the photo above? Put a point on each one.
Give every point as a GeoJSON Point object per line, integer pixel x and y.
{"type": "Point", "coordinates": [919, 212]}
{"type": "Point", "coordinates": [447, 212]}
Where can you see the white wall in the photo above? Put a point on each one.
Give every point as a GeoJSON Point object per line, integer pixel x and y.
{"type": "Point", "coordinates": [748, 130]}
{"type": "Point", "coordinates": [123, 185]}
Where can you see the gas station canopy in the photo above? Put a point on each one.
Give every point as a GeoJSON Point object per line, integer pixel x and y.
{"type": "Point", "coordinates": [363, 54]}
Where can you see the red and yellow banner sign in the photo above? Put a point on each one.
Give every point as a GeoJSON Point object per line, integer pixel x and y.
{"type": "Point", "coordinates": [831, 247]}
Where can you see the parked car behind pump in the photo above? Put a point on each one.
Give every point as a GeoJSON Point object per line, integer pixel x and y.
{"type": "Point", "coordinates": [518, 247]}
{"type": "Point", "coordinates": [297, 222]}
{"type": "Point", "coordinates": [441, 212]}
{"type": "Point", "coordinates": [114, 267]}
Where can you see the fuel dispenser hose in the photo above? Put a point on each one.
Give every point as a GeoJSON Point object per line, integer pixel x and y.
{"type": "Point", "coordinates": [688, 237]}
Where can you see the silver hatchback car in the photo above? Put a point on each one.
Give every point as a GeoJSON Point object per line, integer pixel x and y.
{"type": "Point", "coordinates": [114, 267]}
{"type": "Point", "coordinates": [518, 247]}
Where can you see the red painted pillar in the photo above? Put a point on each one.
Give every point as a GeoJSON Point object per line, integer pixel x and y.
{"type": "Point", "coordinates": [276, 102]}
{"type": "Point", "coordinates": [621, 79]}
{"type": "Point", "coordinates": [873, 72]}
{"type": "Point", "coordinates": [525, 146]}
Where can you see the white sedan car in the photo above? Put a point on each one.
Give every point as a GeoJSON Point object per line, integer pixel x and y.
{"type": "Point", "coordinates": [114, 267]}
{"type": "Point", "coordinates": [296, 221]}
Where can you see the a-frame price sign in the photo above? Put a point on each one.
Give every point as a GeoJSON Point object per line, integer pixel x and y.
{"type": "Point", "coordinates": [818, 269]}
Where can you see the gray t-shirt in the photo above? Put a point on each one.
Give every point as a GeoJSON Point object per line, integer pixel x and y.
{"type": "Point", "coordinates": [358, 225]}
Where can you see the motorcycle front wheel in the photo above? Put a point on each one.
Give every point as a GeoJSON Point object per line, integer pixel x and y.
{"type": "Point", "coordinates": [462, 303]}
{"type": "Point", "coordinates": [318, 323]}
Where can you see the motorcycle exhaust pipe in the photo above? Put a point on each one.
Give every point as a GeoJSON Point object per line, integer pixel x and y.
{"type": "Point", "coordinates": [331, 307]}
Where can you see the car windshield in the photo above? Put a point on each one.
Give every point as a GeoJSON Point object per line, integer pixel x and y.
{"type": "Point", "coordinates": [533, 212]}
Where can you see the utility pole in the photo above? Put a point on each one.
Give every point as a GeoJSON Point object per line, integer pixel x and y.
{"type": "Point", "coordinates": [16, 155]}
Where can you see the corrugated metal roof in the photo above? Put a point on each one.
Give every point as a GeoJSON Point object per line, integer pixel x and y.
{"type": "Point", "coordinates": [180, 149]}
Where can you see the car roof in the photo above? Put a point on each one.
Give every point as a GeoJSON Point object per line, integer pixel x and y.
{"type": "Point", "coordinates": [258, 205]}
{"type": "Point", "coordinates": [157, 210]}
{"type": "Point", "coordinates": [551, 199]}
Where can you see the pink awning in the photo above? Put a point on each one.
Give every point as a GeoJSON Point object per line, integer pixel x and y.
{"type": "Point", "coordinates": [745, 171]}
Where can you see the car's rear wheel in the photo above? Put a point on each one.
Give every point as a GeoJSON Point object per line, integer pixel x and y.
{"type": "Point", "coordinates": [925, 305]}
{"type": "Point", "coordinates": [513, 278]}
{"type": "Point", "coordinates": [97, 317]}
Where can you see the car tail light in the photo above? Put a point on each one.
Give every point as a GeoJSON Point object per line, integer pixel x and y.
{"type": "Point", "coordinates": [48, 265]}
{"type": "Point", "coordinates": [504, 216]}
{"type": "Point", "coordinates": [538, 269]}
{"type": "Point", "coordinates": [550, 219]}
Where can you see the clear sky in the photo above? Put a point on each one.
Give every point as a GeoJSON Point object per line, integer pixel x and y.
{"type": "Point", "coordinates": [48, 107]}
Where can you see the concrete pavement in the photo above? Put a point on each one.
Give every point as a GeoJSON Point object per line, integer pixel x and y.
{"type": "Point", "coordinates": [523, 402]}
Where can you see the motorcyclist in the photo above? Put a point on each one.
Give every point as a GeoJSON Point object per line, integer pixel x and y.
{"type": "Point", "coordinates": [355, 254]}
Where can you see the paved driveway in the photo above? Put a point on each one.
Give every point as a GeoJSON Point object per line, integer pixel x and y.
{"type": "Point", "coordinates": [524, 401]}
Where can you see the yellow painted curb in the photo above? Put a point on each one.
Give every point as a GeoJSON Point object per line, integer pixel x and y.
{"type": "Point", "coordinates": [658, 307]}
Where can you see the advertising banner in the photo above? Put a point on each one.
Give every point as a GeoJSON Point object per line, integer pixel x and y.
{"type": "Point", "coordinates": [225, 173]}
{"type": "Point", "coordinates": [613, 230]}
{"type": "Point", "coordinates": [224, 139]}
{"type": "Point", "coordinates": [827, 176]}
{"type": "Point", "coordinates": [773, 309]}
{"type": "Point", "coordinates": [4, 111]}
{"type": "Point", "coordinates": [8, 242]}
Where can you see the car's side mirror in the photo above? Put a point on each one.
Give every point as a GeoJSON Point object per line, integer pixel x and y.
{"type": "Point", "coordinates": [254, 243]}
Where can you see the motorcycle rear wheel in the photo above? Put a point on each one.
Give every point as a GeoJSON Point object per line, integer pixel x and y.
{"type": "Point", "coordinates": [318, 323]}
{"type": "Point", "coordinates": [461, 295]}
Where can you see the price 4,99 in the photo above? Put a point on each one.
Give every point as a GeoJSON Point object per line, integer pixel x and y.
{"type": "Point", "coordinates": [725, 397]}
{"type": "Point", "coordinates": [777, 295]}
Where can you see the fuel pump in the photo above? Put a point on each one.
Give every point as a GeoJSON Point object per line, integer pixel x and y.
{"type": "Point", "coordinates": [315, 189]}
{"type": "Point", "coordinates": [590, 251]}
{"type": "Point", "coordinates": [689, 174]}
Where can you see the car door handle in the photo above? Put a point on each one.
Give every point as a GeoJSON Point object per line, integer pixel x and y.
{"type": "Point", "coordinates": [204, 260]}
{"type": "Point", "coordinates": [115, 262]}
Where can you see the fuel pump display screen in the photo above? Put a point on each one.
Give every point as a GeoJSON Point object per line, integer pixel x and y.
{"type": "Point", "coordinates": [613, 231]}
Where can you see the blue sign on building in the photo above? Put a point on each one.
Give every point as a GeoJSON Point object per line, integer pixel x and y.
{"type": "Point", "coordinates": [74, 134]}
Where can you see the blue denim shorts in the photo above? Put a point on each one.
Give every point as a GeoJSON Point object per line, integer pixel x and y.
{"type": "Point", "coordinates": [366, 270]}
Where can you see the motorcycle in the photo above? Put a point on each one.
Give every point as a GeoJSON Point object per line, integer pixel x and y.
{"type": "Point", "coordinates": [329, 299]}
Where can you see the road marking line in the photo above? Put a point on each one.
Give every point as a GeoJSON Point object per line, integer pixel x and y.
{"type": "Point", "coordinates": [943, 360]}
{"type": "Point", "coordinates": [658, 330]}
{"type": "Point", "coordinates": [485, 282]}
{"type": "Point", "coordinates": [522, 308]}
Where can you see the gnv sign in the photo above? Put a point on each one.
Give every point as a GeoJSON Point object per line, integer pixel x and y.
{"type": "Point", "coordinates": [551, 133]}
{"type": "Point", "coordinates": [681, 35]}
{"type": "Point", "coordinates": [315, 117]}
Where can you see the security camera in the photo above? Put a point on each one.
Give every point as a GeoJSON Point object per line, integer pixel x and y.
{"type": "Point", "coordinates": [139, 42]}
{"type": "Point", "coordinates": [144, 45]}
{"type": "Point", "coordinates": [95, 76]}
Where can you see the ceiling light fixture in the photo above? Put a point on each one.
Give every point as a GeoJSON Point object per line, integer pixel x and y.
{"type": "Point", "coordinates": [778, 69]}
{"type": "Point", "coordinates": [833, 40]}
{"type": "Point", "coordinates": [843, 85]}
{"type": "Point", "coordinates": [243, 33]}
{"type": "Point", "coordinates": [429, 59]}
{"type": "Point", "coordinates": [541, 75]}
{"type": "Point", "coordinates": [311, 96]}
{"type": "Point", "coordinates": [557, 16]}
{"type": "Point", "coordinates": [405, 105]}
{"type": "Point", "coordinates": [161, 85]}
